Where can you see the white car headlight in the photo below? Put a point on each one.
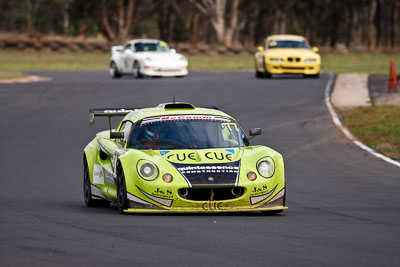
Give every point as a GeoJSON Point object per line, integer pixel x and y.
{"type": "Point", "coordinates": [310, 60]}
{"type": "Point", "coordinates": [147, 170]}
{"type": "Point", "coordinates": [276, 59]}
{"type": "Point", "coordinates": [266, 167]}
{"type": "Point", "coordinates": [148, 59]}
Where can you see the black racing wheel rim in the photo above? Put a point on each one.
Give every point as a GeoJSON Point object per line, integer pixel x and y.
{"type": "Point", "coordinates": [121, 191]}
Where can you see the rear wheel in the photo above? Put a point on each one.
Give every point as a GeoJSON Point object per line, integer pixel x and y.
{"type": "Point", "coordinates": [122, 201]}
{"type": "Point", "coordinates": [87, 191]}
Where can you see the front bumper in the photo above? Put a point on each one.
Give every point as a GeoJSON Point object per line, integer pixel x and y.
{"type": "Point", "coordinates": [165, 72]}
{"type": "Point", "coordinates": [281, 68]}
{"type": "Point", "coordinates": [267, 201]}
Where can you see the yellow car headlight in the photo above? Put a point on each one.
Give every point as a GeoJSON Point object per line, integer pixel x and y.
{"type": "Point", "coordinates": [276, 59]}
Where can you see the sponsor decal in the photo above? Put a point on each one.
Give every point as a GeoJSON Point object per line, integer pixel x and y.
{"type": "Point", "coordinates": [164, 152]}
{"type": "Point", "coordinates": [113, 111]}
{"type": "Point", "coordinates": [258, 190]}
{"type": "Point", "coordinates": [182, 156]}
{"type": "Point", "coordinates": [214, 206]}
{"type": "Point", "coordinates": [229, 126]}
{"type": "Point", "coordinates": [231, 150]}
{"type": "Point", "coordinates": [160, 200]}
{"type": "Point", "coordinates": [210, 174]}
{"type": "Point", "coordinates": [208, 169]}
{"type": "Point", "coordinates": [164, 193]}
{"type": "Point", "coordinates": [110, 177]}
{"type": "Point", "coordinates": [257, 199]}
{"type": "Point", "coordinates": [98, 176]}
{"type": "Point", "coordinates": [218, 156]}
{"type": "Point", "coordinates": [185, 117]}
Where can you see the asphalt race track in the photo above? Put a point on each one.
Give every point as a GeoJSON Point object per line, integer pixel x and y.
{"type": "Point", "coordinates": [344, 204]}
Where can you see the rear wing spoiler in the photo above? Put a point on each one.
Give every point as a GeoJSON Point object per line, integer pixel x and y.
{"type": "Point", "coordinates": [108, 112]}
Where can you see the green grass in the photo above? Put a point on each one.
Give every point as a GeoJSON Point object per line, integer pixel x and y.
{"type": "Point", "coordinates": [23, 61]}
{"type": "Point", "coordinates": [11, 74]}
{"type": "Point", "coordinates": [221, 62]}
{"type": "Point", "coordinates": [12, 63]}
{"type": "Point", "coordinates": [377, 126]}
{"type": "Point", "coordinates": [371, 63]}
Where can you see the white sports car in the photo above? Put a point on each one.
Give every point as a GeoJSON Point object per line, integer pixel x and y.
{"type": "Point", "coordinates": [147, 57]}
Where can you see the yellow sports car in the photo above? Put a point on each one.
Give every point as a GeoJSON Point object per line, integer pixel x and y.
{"type": "Point", "coordinates": [287, 54]}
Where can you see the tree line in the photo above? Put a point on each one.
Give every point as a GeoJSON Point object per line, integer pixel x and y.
{"type": "Point", "coordinates": [367, 23]}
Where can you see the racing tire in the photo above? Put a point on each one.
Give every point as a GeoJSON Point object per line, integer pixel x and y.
{"type": "Point", "coordinates": [122, 200]}
{"type": "Point", "coordinates": [114, 73]}
{"type": "Point", "coordinates": [136, 70]}
{"type": "Point", "coordinates": [311, 75]}
{"type": "Point", "coordinates": [266, 73]}
{"type": "Point", "coordinates": [87, 191]}
{"type": "Point", "coordinates": [259, 74]}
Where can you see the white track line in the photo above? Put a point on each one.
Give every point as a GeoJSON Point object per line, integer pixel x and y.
{"type": "Point", "coordinates": [346, 132]}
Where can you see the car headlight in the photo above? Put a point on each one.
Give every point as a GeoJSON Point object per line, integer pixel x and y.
{"type": "Point", "coordinates": [147, 170]}
{"type": "Point", "coordinates": [182, 58]}
{"type": "Point", "coordinates": [310, 60]}
{"type": "Point", "coordinates": [276, 59]}
{"type": "Point", "coordinates": [266, 167]}
{"type": "Point", "coordinates": [148, 59]}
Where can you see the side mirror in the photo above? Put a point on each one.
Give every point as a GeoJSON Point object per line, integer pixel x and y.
{"type": "Point", "coordinates": [173, 51]}
{"type": "Point", "coordinates": [255, 131]}
{"type": "Point", "coordinates": [117, 135]}
{"type": "Point", "coordinates": [260, 49]}
{"type": "Point", "coordinates": [315, 49]}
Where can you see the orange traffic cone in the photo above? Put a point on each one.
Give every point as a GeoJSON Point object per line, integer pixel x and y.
{"type": "Point", "coordinates": [392, 78]}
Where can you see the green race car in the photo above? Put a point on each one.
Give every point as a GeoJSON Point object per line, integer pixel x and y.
{"type": "Point", "coordinates": [179, 158]}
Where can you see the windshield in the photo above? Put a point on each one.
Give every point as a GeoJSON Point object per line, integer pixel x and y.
{"type": "Point", "coordinates": [147, 47]}
{"type": "Point", "coordinates": [287, 44]}
{"type": "Point", "coordinates": [183, 132]}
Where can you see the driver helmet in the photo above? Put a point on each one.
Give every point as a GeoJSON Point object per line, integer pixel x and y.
{"type": "Point", "coordinates": [155, 131]}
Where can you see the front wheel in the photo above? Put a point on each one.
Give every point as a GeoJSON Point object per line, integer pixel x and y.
{"type": "Point", "coordinates": [122, 201]}
{"type": "Point", "coordinates": [259, 74]}
{"type": "Point", "coordinates": [266, 73]}
{"type": "Point", "coordinates": [136, 70]}
{"type": "Point", "coordinates": [87, 191]}
{"type": "Point", "coordinates": [311, 75]}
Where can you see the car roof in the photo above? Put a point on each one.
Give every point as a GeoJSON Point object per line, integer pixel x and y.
{"type": "Point", "coordinates": [144, 41]}
{"type": "Point", "coordinates": [286, 37]}
{"type": "Point", "coordinates": [169, 109]}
